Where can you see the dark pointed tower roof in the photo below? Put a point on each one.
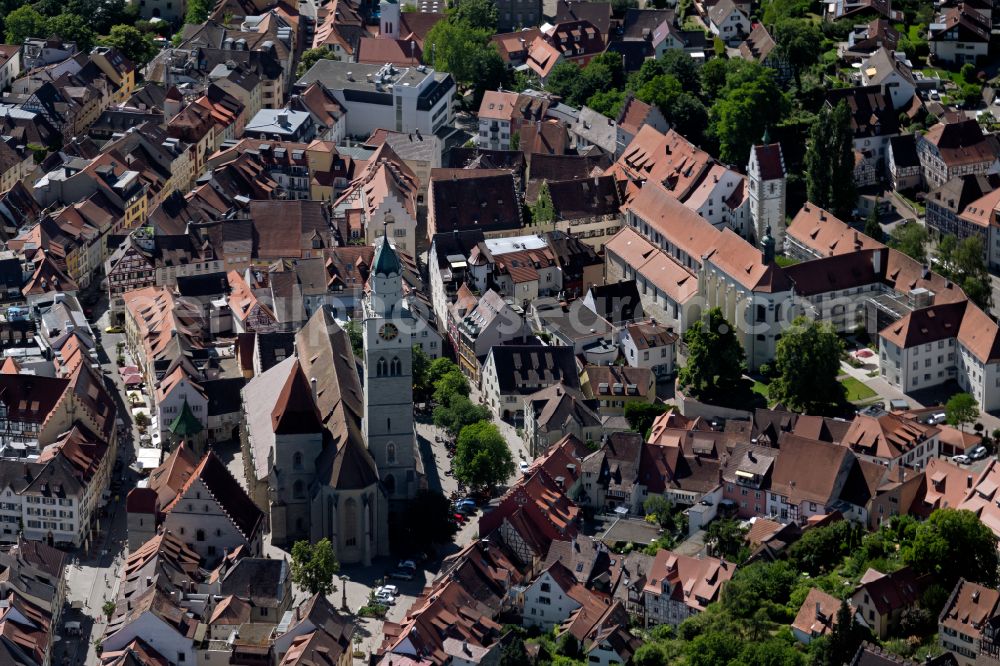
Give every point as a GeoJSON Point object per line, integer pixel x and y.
{"type": "Point", "coordinates": [386, 260]}
{"type": "Point", "coordinates": [186, 424]}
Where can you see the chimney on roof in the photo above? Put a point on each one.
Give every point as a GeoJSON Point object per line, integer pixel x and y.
{"type": "Point", "coordinates": [315, 391]}
{"type": "Point", "coordinates": [968, 481]}
{"type": "Point", "coordinates": [819, 612]}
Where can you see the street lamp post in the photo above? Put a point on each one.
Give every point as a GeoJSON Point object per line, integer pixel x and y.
{"type": "Point", "coordinates": [343, 588]}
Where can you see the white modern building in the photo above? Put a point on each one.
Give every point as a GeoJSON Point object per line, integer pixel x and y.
{"type": "Point", "coordinates": [404, 99]}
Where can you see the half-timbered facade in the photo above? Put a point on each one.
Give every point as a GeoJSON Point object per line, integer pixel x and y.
{"type": "Point", "coordinates": [130, 267]}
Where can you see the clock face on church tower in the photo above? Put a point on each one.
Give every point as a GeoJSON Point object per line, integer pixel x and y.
{"type": "Point", "coordinates": [388, 332]}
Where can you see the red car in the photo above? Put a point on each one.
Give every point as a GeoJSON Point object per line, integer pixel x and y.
{"type": "Point", "coordinates": [459, 518]}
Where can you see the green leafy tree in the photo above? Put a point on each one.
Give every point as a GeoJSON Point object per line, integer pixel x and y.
{"type": "Point", "coordinates": [420, 368]}
{"type": "Point", "coordinates": [967, 267]}
{"type": "Point", "coordinates": [134, 44]}
{"type": "Point", "coordinates": [607, 102]}
{"type": "Point", "coordinates": [458, 413]}
{"type": "Point", "coordinates": [482, 457]}
{"type": "Point", "coordinates": [353, 330]}
{"type": "Point", "coordinates": [450, 385]}
{"type": "Point", "coordinates": [845, 638]}
{"type": "Point", "coordinates": [659, 508]}
{"type": "Point", "coordinates": [467, 53]}
{"type": "Point", "coordinates": [640, 415]}
{"type": "Point", "coordinates": [565, 81]}
{"type": "Point", "coordinates": [73, 28]}
{"type": "Point", "coordinates": [197, 11]}
{"type": "Point", "coordinates": [102, 14]}
{"type": "Point", "coordinates": [650, 654]}
{"type": "Point", "coordinates": [968, 73]}
{"type": "Point", "coordinates": [713, 648]}
{"type": "Point", "coordinates": [807, 362]}
{"type": "Point", "coordinates": [713, 78]}
{"type": "Point", "coordinates": [761, 584]}
{"type": "Point", "coordinates": [312, 56]}
{"type": "Point", "coordinates": [513, 653]}
{"type": "Point", "coordinates": [911, 240]}
{"type": "Point", "coordinates": [314, 565]}
{"type": "Point", "coordinates": [481, 14]}
{"type": "Point", "coordinates": [25, 22]}
{"type": "Point", "coordinates": [776, 10]}
{"type": "Point", "coordinates": [543, 211]}
{"type": "Point", "coordinates": [569, 646]}
{"type": "Point", "coordinates": [749, 101]}
{"type": "Point", "coordinates": [829, 161]}
{"type": "Point", "coordinates": [424, 522]}
{"type": "Point", "coordinates": [688, 116]}
{"type": "Point", "coordinates": [716, 358]}
{"type": "Point", "coordinates": [675, 63]}
{"type": "Point", "coordinates": [873, 228]}
{"type": "Point", "coordinates": [799, 42]}
{"type": "Point", "coordinates": [822, 548]}
{"type": "Point", "coordinates": [439, 368]}
{"type": "Point", "coordinates": [954, 543]}
{"type": "Point", "coordinates": [961, 409]}
{"type": "Point", "coordinates": [728, 536]}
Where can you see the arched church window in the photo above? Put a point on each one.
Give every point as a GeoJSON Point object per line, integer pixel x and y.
{"type": "Point", "coordinates": [390, 453]}
{"type": "Point", "coordinates": [297, 460]}
{"type": "Point", "coordinates": [397, 366]}
{"type": "Point", "coordinates": [381, 368]}
{"type": "Point", "coordinates": [351, 522]}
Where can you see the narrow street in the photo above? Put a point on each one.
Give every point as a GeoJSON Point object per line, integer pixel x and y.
{"type": "Point", "coordinates": [93, 576]}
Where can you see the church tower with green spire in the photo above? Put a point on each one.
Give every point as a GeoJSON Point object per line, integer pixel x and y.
{"type": "Point", "coordinates": [388, 390]}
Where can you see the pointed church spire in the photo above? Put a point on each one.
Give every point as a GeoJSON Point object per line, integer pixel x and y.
{"type": "Point", "coordinates": [386, 260]}
{"type": "Point", "coordinates": [766, 139]}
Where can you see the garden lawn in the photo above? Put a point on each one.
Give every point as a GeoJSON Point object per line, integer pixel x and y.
{"type": "Point", "coordinates": [856, 390]}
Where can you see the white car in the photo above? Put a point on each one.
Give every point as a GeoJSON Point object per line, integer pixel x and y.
{"type": "Point", "coordinates": [391, 589]}
{"type": "Point", "coordinates": [961, 459]}
{"type": "Point", "coordinates": [385, 599]}
{"type": "Point", "coordinates": [978, 453]}
{"type": "Point", "coordinates": [524, 466]}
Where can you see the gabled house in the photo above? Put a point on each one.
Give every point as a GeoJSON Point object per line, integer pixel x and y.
{"type": "Point", "coordinates": [959, 35]}
{"type": "Point", "coordinates": [558, 411]}
{"type": "Point", "coordinates": [728, 22]}
{"type": "Point", "coordinates": [760, 47]}
{"type": "Point", "coordinates": [950, 150]}
{"type": "Point", "coordinates": [512, 372]}
{"type": "Point", "coordinates": [679, 586]}
{"type": "Point", "coordinates": [552, 597]}
{"type": "Point", "coordinates": [817, 616]}
{"type": "Point", "coordinates": [968, 623]}
{"type": "Point", "coordinates": [212, 513]}
{"type": "Point", "coordinates": [893, 74]}
{"type": "Point", "coordinates": [881, 599]}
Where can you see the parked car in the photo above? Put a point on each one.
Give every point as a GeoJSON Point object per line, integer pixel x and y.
{"type": "Point", "coordinates": [465, 505]}
{"type": "Point", "coordinates": [978, 453]}
{"type": "Point", "coordinates": [939, 417]}
{"type": "Point", "coordinates": [391, 589]}
{"type": "Point", "coordinates": [407, 564]}
{"type": "Point", "coordinates": [459, 517]}
{"type": "Point", "coordinates": [113, 329]}
{"type": "Point", "coordinates": [524, 466]}
{"type": "Point", "coordinates": [961, 459]}
{"type": "Point", "coordinates": [385, 599]}
{"type": "Point", "coordinates": [402, 574]}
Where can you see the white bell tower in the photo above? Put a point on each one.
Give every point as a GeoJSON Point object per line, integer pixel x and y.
{"type": "Point", "coordinates": [389, 22]}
